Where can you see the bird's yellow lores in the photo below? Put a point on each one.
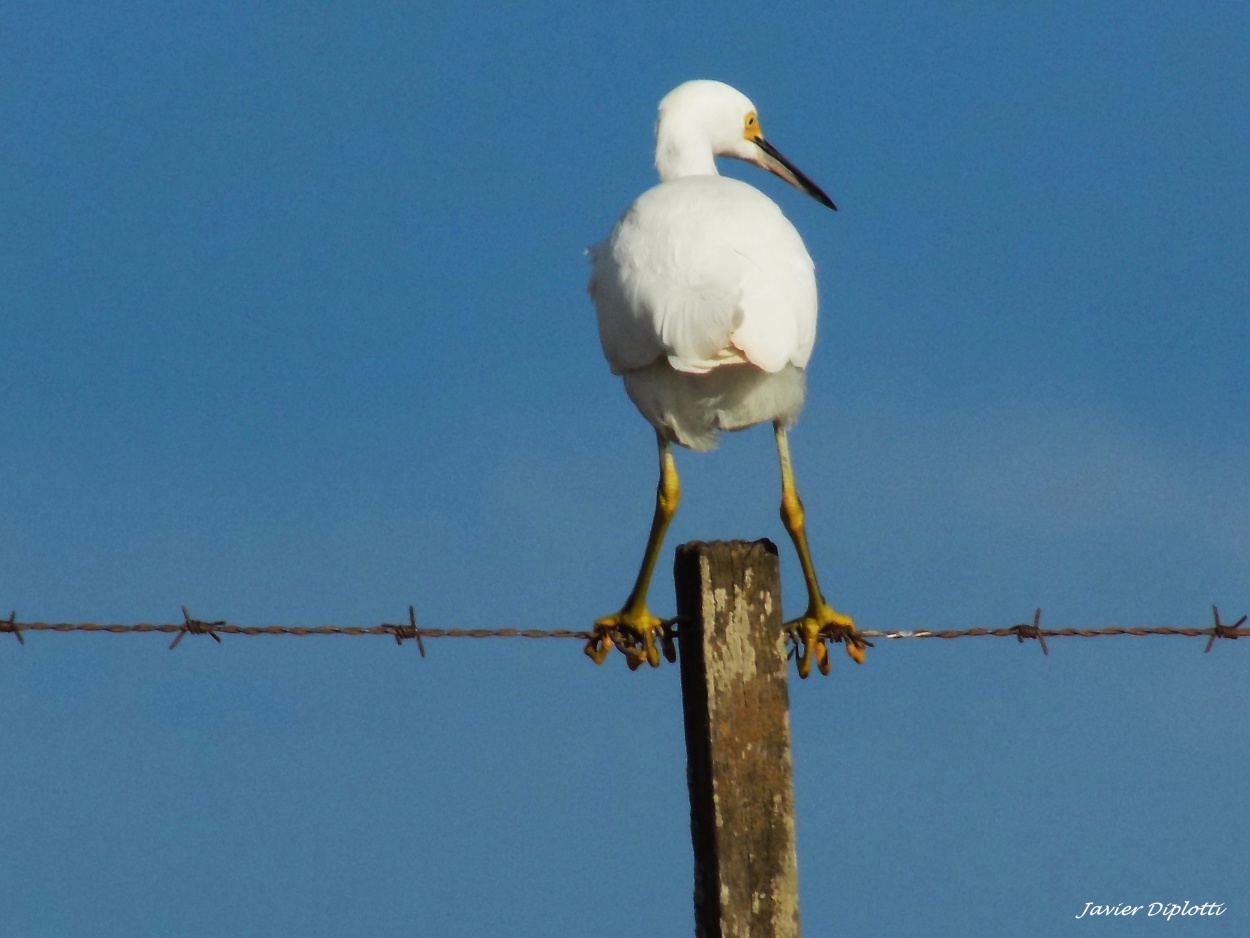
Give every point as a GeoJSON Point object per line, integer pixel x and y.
{"type": "Point", "coordinates": [706, 300]}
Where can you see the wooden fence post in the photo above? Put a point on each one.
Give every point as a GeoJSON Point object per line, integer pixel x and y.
{"type": "Point", "coordinates": [736, 706]}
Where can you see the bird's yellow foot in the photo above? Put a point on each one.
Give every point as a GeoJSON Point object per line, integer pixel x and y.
{"type": "Point", "coordinates": [819, 625]}
{"type": "Point", "coordinates": [635, 632]}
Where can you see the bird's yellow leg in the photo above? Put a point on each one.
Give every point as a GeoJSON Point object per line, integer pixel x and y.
{"type": "Point", "coordinates": [820, 622]}
{"type": "Point", "coordinates": [634, 628]}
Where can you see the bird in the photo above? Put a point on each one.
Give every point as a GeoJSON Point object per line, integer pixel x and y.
{"type": "Point", "coordinates": [705, 297]}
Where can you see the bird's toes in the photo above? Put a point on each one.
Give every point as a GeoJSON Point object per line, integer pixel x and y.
{"type": "Point", "coordinates": [598, 646]}
{"type": "Point", "coordinates": [635, 634]}
{"type": "Point", "coordinates": [811, 633]}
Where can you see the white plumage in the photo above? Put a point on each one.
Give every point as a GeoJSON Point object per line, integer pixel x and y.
{"type": "Point", "coordinates": [706, 300]}
{"type": "Point", "coordinates": [704, 273]}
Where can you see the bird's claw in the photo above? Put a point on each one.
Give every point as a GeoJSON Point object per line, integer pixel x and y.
{"type": "Point", "coordinates": [821, 624]}
{"type": "Point", "coordinates": [635, 634]}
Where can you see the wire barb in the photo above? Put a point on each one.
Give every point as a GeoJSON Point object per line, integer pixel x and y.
{"type": "Point", "coordinates": [407, 631]}
{"type": "Point", "coordinates": [11, 625]}
{"type": "Point", "coordinates": [1220, 630]}
{"type": "Point", "coordinates": [195, 627]}
{"type": "Point", "coordinates": [1024, 631]}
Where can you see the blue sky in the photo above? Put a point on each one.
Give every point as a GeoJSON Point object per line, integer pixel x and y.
{"type": "Point", "coordinates": [293, 330]}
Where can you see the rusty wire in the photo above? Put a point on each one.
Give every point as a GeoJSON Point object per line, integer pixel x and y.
{"type": "Point", "coordinates": [409, 630]}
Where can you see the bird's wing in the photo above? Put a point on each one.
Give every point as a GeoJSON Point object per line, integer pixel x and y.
{"type": "Point", "coordinates": [778, 324]}
{"type": "Point", "coordinates": [662, 287]}
{"type": "Point", "coordinates": [705, 271]}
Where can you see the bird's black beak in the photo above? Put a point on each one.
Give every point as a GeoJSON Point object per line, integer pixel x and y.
{"type": "Point", "coordinates": [772, 160]}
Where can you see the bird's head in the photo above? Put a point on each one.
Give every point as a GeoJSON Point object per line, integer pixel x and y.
{"type": "Point", "coordinates": [700, 120]}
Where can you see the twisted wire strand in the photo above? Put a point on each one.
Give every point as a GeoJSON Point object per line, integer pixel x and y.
{"type": "Point", "coordinates": [406, 630]}
{"type": "Point", "coordinates": [402, 631]}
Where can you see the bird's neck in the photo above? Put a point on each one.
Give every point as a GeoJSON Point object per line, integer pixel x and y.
{"type": "Point", "coordinates": [678, 155]}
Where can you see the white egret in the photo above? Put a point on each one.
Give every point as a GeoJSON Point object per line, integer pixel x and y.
{"type": "Point", "coordinates": [706, 299]}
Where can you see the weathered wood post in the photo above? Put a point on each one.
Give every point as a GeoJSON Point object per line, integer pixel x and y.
{"type": "Point", "coordinates": [736, 706]}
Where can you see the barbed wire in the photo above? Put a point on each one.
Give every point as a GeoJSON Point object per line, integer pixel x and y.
{"type": "Point", "coordinates": [410, 630]}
